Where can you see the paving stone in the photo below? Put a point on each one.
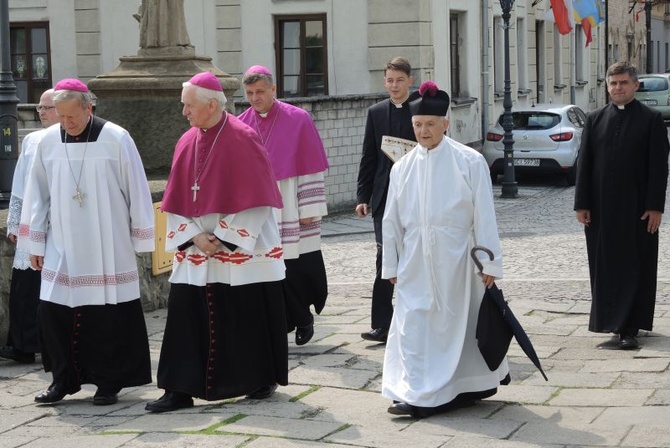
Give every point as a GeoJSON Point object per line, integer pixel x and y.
{"type": "Point", "coordinates": [10, 419]}
{"type": "Point", "coordinates": [574, 434]}
{"type": "Point", "coordinates": [276, 442]}
{"type": "Point", "coordinates": [76, 441]}
{"type": "Point", "coordinates": [304, 429]}
{"type": "Point", "coordinates": [372, 437]}
{"type": "Point", "coordinates": [556, 414]}
{"type": "Point", "coordinates": [648, 436]}
{"type": "Point", "coordinates": [642, 380]}
{"type": "Point", "coordinates": [642, 415]}
{"type": "Point", "coordinates": [513, 393]}
{"type": "Point", "coordinates": [570, 379]}
{"type": "Point", "coordinates": [173, 440]}
{"type": "Point", "coordinates": [328, 376]}
{"type": "Point", "coordinates": [601, 397]}
{"type": "Point", "coordinates": [627, 365]}
{"type": "Point", "coordinates": [172, 422]}
{"type": "Point", "coordinates": [452, 425]}
{"type": "Point", "coordinates": [660, 398]}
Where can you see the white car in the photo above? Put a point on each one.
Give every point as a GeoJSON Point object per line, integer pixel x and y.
{"type": "Point", "coordinates": [546, 138]}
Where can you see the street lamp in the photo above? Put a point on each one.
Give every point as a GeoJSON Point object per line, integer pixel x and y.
{"type": "Point", "coordinates": [509, 187]}
{"type": "Point", "coordinates": [9, 143]}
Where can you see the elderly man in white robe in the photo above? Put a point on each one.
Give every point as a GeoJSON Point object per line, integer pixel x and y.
{"type": "Point", "coordinates": [439, 205]}
{"type": "Point", "coordinates": [89, 213]}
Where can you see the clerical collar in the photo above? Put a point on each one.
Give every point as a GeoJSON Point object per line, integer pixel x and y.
{"type": "Point", "coordinates": [400, 104]}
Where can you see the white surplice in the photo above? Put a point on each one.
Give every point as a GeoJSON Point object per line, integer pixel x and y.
{"type": "Point", "coordinates": [19, 183]}
{"type": "Point", "coordinates": [304, 197]}
{"type": "Point", "coordinates": [89, 251]}
{"type": "Point", "coordinates": [439, 205]}
{"type": "Point", "coordinates": [258, 257]}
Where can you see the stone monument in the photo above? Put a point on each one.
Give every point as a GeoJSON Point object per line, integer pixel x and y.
{"type": "Point", "coordinates": [142, 93]}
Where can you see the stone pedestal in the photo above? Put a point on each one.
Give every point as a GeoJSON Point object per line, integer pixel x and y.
{"type": "Point", "coordinates": [143, 95]}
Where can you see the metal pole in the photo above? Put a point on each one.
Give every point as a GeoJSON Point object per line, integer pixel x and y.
{"type": "Point", "coordinates": [9, 139]}
{"type": "Point", "coordinates": [650, 52]}
{"type": "Point", "coordinates": [509, 186]}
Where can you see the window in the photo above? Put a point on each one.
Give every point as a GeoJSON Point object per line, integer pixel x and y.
{"type": "Point", "coordinates": [30, 59]}
{"type": "Point", "coordinates": [454, 56]}
{"type": "Point", "coordinates": [301, 55]}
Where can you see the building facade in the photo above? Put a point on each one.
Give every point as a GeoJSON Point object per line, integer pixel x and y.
{"type": "Point", "coordinates": [330, 51]}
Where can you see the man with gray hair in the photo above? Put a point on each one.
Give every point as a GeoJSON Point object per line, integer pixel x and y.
{"type": "Point", "coordinates": [225, 334]}
{"type": "Point", "coordinates": [90, 212]}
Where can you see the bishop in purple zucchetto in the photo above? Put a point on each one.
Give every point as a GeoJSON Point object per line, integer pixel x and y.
{"type": "Point", "coordinates": [258, 70]}
{"type": "Point", "coordinates": [206, 80]}
{"type": "Point", "coordinates": [71, 84]}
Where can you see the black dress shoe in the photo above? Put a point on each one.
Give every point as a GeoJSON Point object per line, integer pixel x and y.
{"type": "Point", "coordinates": [628, 343]}
{"type": "Point", "coordinates": [17, 355]}
{"type": "Point", "coordinates": [170, 401]}
{"type": "Point", "coordinates": [262, 392]}
{"type": "Point", "coordinates": [105, 397]}
{"type": "Point", "coordinates": [400, 409]}
{"type": "Point", "coordinates": [54, 393]}
{"type": "Point", "coordinates": [376, 335]}
{"type": "Point", "coordinates": [304, 334]}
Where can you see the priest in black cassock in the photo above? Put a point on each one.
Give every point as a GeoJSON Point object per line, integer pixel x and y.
{"type": "Point", "coordinates": [620, 197]}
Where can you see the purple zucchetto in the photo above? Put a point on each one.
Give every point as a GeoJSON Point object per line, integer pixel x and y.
{"type": "Point", "coordinates": [258, 70]}
{"type": "Point", "coordinates": [71, 84]}
{"type": "Point", "coordinates": [432, 101]}
{"type": "Point", "coordinates": [206, 80]}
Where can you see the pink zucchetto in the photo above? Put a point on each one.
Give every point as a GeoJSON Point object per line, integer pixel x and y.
{"type": "Point", "coordinates": [258, 70]}
{"type": "Point", "coordinates": [206, 80]}
{"type": "Point", "coordinates": [71, 84]}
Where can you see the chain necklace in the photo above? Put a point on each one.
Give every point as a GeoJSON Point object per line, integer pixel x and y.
{"type": "Point", "coordinates": [272, 126]}
{"type": "Point", "coordinates": [195, 187]}
{"type": "Point", "coordinates": [79, 195]}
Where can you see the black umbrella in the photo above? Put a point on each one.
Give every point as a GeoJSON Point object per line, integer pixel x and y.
{"type": "Point", "coordinates": [496, 324]}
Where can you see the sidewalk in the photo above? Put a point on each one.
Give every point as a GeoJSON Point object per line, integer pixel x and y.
{"type": "Point", "coordinates": [596, 396]}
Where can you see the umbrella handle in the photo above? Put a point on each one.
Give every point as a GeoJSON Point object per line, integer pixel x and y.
{"type": "Point", "coordinates": [473, 254]}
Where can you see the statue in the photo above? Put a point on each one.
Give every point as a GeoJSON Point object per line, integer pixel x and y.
{"type": "Point", "coordinates": [162, 24]}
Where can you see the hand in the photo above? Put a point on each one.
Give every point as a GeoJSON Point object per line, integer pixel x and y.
{"type": "Point", "coordinates": [207, 243]}
{"type": "Point", "coordinates": [393, 280]}
{"type": "Point", "coordinates": [654, 220]}
{"type": "Point", "coordinates": [36, 262]}
{"type": "Point", "coordinates": [488, 280]}
{"type": "Point", "coordinates": [305, 221]}
{"type": "Point", "coordinates": [584, 217]}
{"type": "Point", "coordinates": [362, 210]}
{"type": "Point", "coordinates": [12, 237]}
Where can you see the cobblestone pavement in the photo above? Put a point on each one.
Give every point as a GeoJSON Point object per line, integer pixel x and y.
{"type": "Point", "coordinates": [596, 396]}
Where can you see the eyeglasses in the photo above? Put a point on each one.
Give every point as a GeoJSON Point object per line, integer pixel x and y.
{"type": "Point", "coordinates": [44, 108]}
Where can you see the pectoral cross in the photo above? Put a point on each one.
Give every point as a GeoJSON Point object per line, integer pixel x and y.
{"type": "Point", "coordinates": [79, 196]}
{"type": "Point", "coordinates": [195, 189]}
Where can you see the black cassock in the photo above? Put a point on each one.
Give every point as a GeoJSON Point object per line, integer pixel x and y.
{"type": "Point", "coordinates": [622, 172]}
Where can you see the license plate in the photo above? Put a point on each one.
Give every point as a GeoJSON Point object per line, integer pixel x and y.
{"type": "Point", "coordinates": [649, 102]}
{"type": "Point", "coordinates": [526, 162]}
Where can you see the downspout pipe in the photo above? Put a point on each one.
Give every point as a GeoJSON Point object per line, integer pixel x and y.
{"type": "Point", "coordinates": [486, 66]}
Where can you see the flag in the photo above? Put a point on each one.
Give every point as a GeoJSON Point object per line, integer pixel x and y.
{"type": "Point", "coordinates": [562, 16]}
{"type": "Point", "coordinates": [588, 13]}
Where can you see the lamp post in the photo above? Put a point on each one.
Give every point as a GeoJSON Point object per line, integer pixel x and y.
{"type": "Point", "coordinates": [509, 187]}
{"type": "Point", "coordinates": [9, 143]}
{"type": "Point", "coordinates": [647, 21]}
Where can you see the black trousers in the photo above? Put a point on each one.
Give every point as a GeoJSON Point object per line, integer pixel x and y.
{"type": "Point", "coordinates": [382, 290]}
{"type": "Point", "coordinates": [24, 298]}
{"type": "Point", "coordinates": [305, 285]}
